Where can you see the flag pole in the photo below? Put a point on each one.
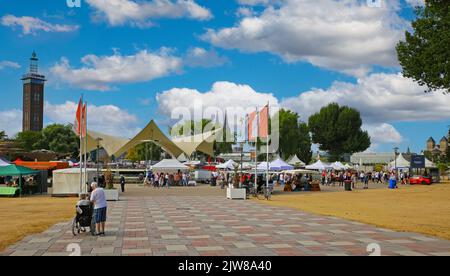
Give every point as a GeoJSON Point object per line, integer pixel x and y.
{"type": "Point", "coordinates": [85, 149]}
{"type": "Point", "coordinates": [267, 148]}
{"type": "Point", "coordinates": [256, 148]}
{"type": "Point", "coordinates": [80, 126]}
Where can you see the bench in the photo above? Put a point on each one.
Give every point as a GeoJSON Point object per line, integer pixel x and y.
{"type": "Point", "coordinates": [8, 191]}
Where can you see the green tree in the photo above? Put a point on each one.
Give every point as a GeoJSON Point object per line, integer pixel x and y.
{"type": "Point", "coordinates": [59, 138]}
{"type": "Point", "coordinates": [425, 53]}
{"type": "Point", "coordinates": [3, 135]}
{"type": "Point", "coordinates": [28, 140]}
{"type": "Point", "coordinates": [132, 155]}
{"type": "Point", "coordinates": [149, 150]}
{"type": "Point", "coordinates": [294, 136]}
{"type": "Point", "coordinates": [337, 130]}
{"type": "Point", "coordinates": [304, 139]}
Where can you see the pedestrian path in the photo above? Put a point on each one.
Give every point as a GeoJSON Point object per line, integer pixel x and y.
{"type": "Point", "coordinates": [212, 225]}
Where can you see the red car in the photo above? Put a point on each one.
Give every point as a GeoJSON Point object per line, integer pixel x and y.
{"type": "Point", "coordinates": [419, 179]}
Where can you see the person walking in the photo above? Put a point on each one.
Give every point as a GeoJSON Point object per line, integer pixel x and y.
{"type": "Point", "coordinates": [366, 181]}
{"type": "Point", "coordinates": [98, 198]}
{"type": "Point", "coordinates": [122, 183]}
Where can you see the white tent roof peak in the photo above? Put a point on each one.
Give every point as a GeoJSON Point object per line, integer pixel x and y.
{"type": "Point", "coordinates": [319, 165]}
{"type": "Point", "coordinates": [169, 165]}
{"type": "Point", "coordinates": [294, 160]}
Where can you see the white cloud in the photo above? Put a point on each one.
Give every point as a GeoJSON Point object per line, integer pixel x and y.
{"type": "Point", "coordinates": [32, 25]}
{"type": "Point", "coordinates": [11, 121]}
{"type": "Point", "coordinates": [108, 119]}
{"type": "Point", "coordinates": [347, 36]}
{"type": "Point", "coordinates": [99, 72]}
{"type": "Point", "coordinates": [383, 133]}
{"type": "Point", "coordinates": [222, 95]}
{"type": "Point", "coordinates": [9, 64]}
{"type": "Point", "coordinates": [199, 57]}
{"type": "Point", "coordinates": [379, 97]}
{"type": "Point", "coordinates": [141, 13]}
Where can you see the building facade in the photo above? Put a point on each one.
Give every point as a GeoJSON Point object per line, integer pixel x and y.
{"type": "Point", "coordinates": [438, 149]}
{"type": "Point", "coordinates": [33, 97]}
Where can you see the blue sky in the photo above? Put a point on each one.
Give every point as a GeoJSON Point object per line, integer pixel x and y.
{"type": "Point", "coordinates": [210, 48]}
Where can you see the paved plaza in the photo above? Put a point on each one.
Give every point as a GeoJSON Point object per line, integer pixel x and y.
{"type": "Point", "coordinates": [213, 226]}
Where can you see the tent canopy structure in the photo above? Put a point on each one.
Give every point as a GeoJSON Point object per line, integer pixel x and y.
{"type": "Point", "coordinates": [14, 170]}
{"type": "Point", "coordinates": [294, 160]}
{"type": "Point", "coordinates": [110, 144]}
{"type": "Point", "coordinates": [277, 165]}
{"type": "Point", "coordinates": [4, 162]}
{"type": "Point", "coordinates": [203, 142]}
{"type": "Point", "coordinates": [169, 165]}
{"type": "Point", "coordinates": [319, 165]}
{"type": "Point", "coordinates": [151, 133]}
{"type": "Point", "coordinates": [229, 165]}
{"type": "Point", "coordinates": [338, 166]}
{"type": "Point", "coordinates": [280, 165]}
{"type": "Point", "coordinates": [403, 161]}
{"type": "Point", "coordinates": [302, 171]}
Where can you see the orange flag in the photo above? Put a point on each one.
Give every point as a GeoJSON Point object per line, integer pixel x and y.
{"type": "Point", "coordinates": [78, 118]}
{"type": "Point", "coordinates": [264, 122]}
{"type": "Point", "coordinates": [84, 125]}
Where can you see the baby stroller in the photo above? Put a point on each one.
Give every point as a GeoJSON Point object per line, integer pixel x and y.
{"type": "Point", "coordinates": [83, 218]}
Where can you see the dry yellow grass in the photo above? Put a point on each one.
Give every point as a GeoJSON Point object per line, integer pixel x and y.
{"type": "Point", "coordinates": [421, 209]}
{"type": "Point", "coordinates": [20, 217]}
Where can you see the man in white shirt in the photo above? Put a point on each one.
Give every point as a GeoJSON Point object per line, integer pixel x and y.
{"type": "Point", "coordinates": [98, 198]}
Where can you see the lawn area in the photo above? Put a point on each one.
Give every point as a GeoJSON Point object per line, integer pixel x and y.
{"type": "Point", "coordinates": [420, 209]}
{"type": "Point", "coordinates": [20, 217]}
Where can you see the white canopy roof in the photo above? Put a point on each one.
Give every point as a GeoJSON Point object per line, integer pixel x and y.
{"type": "Point", "coordinates": [229, 165]}
{"type": "Point", "coordinates": [169, 165]}
{"type": "Point", "coordinates": [4, 163]}
{"type": "Point", "coordinates": [338, 166]}
{"type": "Point", "coordinates": [319, 165]}
{"type": "Point", "coordinates": [294, 160]}
{"type": "Point", "coordinates": [277, 165]}
{"type": "Point", "coordinates": [401, 162]}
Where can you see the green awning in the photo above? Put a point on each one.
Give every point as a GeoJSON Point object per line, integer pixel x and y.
{"type": "Point", "coordinates": [14, 170]}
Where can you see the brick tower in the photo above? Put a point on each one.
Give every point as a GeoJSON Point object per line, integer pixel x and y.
{"type": "Point", "coordinates": [33, 97]}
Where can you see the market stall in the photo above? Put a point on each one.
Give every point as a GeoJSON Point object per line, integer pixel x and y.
{"type": "Point", "coordinates": [169, 166]}
{"type": "Point", "coordinates": [66, 182]}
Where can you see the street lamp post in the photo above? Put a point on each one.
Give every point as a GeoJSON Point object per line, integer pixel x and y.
{"type": "Point", "coordinates": [99, 139]}
{"type": "Point", "coordinates": [395, 161]}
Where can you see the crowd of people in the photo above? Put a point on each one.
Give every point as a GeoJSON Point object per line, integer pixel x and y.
{"type": "Point", "coordinates": [161, 179]}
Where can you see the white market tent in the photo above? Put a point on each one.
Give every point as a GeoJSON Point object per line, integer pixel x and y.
{"type": "Point", "coordinates": [277, 165]}
{"type": "Point", "coordinates": [229, 165]}
{"type": "Point", "coordinates": [169, 165]}
{"type": "Point", "coordinates": [338, 166]}
{"type": "Point", "coordinates": [280, 165]}
{"type": "Point", "coordinates": [302, 171]}
{"type": "Point", "coordinates": [402, 163]}
{"type": "Point", "coordinates": [319, 165]}
{"type": "Point", "coordinates": [294, 160]}
{"type": "Point", "coordinates": [66, 182]}
{"type": "Point", "coordinates": [4, 163]}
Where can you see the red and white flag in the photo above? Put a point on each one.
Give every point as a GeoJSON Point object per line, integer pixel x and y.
{"type": "Point", "coordinates": [263, 129]}
{"type": "Point", "coordinates": [78, 118]}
